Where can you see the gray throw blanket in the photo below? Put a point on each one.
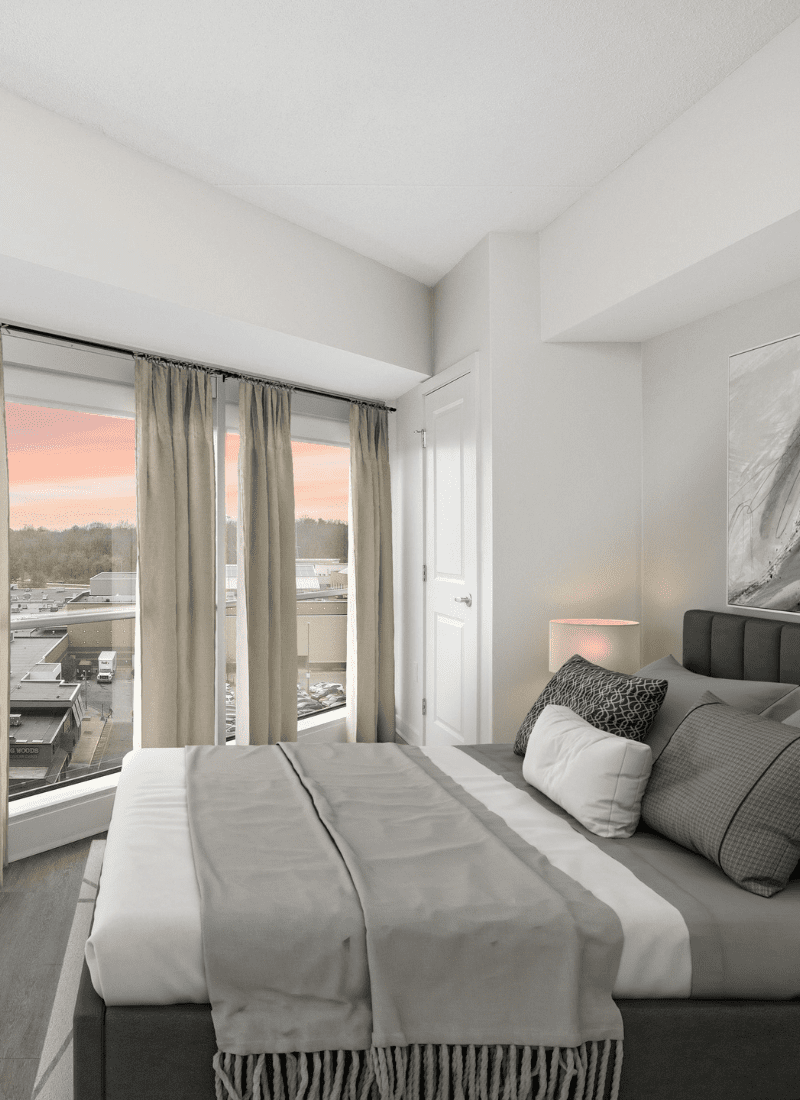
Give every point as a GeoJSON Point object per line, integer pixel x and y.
{"type": "Point", "coordinates": [370, 932]}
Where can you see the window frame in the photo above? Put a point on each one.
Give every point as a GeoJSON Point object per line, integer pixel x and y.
{"type": "Point", "coordinates": [55, 375]}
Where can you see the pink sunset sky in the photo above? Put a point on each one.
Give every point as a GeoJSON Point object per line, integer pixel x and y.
{"type": "Point", "coordinates": [68, 468]}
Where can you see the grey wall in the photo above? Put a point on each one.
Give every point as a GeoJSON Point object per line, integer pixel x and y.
{"type": "Point", "coordinates": [684, 482]}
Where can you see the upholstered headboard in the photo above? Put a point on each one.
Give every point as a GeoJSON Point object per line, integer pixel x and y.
{"type": "Point", "coordinates": [741, 647]}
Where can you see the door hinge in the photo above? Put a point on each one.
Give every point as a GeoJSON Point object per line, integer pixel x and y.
{"type": "Point", "coordinates": [424, 706]}
{"type": "Point", "coordinates": [424, 572]}
{"type": "Point", "coordinates": [424, 434]}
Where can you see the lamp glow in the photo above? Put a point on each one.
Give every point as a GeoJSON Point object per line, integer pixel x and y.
{"type": "Point", "coordinates": [611, 643]}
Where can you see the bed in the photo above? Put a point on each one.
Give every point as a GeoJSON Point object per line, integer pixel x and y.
{"type": "Point", "coordinates": [742, 1045]}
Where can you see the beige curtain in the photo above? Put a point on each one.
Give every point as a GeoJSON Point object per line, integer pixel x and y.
{"type": "Point", "coordinates": [5, 630]}
{"type": "Point", "coordinates": [370, 600]}
{"type": "Point", "coordinates": [266, 651]}
{"type": "Point", "coordinates": [177, 552]}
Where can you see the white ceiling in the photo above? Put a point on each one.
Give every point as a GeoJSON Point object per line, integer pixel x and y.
{"type": "Point", "coordinates": [404, 129]}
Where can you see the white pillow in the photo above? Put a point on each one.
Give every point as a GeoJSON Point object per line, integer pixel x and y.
{"type": "Point", "coordinates": [597, 777]}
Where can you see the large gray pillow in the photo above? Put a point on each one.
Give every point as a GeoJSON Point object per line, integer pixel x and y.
{"type": "Point", "coordinates": [685, 689]}
{"type": "Point", "coordinates": [728, 786]}
{"type": "Point", "coordinates": [610, 701]}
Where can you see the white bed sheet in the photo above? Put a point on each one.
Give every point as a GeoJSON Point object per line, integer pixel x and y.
{"type": "Point", "coordinates": [146, 945]}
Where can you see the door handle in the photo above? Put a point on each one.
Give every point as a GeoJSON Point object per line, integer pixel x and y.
{"type": "Point", "coordinates": [464, 599]}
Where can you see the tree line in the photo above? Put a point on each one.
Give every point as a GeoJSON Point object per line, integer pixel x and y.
{"type": "Point", "coordinates": [38, 555]}
{"type": "Point", "coordinates": [314, 538]}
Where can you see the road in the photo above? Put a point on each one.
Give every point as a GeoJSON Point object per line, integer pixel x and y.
{"type": "Point", "coordinates": [114, 702]}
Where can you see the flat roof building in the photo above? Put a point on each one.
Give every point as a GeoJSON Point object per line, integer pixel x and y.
{"type": "Point", "coordinates": [45, 725]}
{"type": "Point", "coordinates": [117, 587]}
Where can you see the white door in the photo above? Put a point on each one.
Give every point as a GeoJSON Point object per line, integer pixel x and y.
{"type": "Point", "coordinates": [451, 596]}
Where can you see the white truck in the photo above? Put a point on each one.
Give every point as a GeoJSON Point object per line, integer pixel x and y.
{"type": "Point", "coordinates": [106, 666]}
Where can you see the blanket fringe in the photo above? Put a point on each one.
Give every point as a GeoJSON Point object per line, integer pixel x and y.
{"type": "Point", "coordinates": [425, 1072]}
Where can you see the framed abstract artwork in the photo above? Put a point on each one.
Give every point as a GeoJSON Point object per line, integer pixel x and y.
{"type": "Point", "coordinates": [764, 477]}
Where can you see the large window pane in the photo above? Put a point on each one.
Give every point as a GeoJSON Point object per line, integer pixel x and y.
{"type": "Point", "coordinates": [321, 482]}
{"type": "Point", "coordinates": [72, 571]}
{"type": "Point", "coordinates": [231, 512]}
{"type": "Point", "coordinates": [321, 486]}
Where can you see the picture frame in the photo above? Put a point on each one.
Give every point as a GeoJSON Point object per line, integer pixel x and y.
{"type": "Point", "coordinates": [763, 539]}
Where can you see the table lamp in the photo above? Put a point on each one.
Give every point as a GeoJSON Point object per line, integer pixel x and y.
{"type": "Point", "coordinates": [611, 643]}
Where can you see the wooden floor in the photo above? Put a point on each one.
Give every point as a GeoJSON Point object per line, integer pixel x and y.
{"type": "Point", "coordinates": [37, 906]}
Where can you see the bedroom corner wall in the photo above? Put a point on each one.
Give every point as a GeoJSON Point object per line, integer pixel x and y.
{"type": "Point", "coordinates": [560, 481]}
{"type": "Point", "coordinates": [706, 213]}
{"type": "Point", "coordinates": [461, 327]}
{"type": "Point", "coordinates": [684, 486]}
{"type": "Point", "coordinates": [566, 480]}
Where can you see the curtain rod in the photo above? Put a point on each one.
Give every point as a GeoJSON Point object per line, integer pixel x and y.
{"type": "Point", "coordinates": [11, 329]}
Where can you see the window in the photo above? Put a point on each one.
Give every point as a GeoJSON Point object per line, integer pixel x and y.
{"type": "Point", "coordinates": [321, 479]}
{"type": "Point", "coordinates": [72, 571]}
{"type": "Point", "coordinates": [71, 436]}
{"type": "Point", "coordinates": [321, 487]}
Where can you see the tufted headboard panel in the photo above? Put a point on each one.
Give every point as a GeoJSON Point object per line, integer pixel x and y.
{"type": "Point", "coordinates": [741, 647]}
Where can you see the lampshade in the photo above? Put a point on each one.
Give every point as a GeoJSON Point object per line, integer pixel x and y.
{"type": "Point", "coordinates": [611, 643]}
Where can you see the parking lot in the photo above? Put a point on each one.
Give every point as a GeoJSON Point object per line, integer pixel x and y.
{"type": "Point", "coordinates": [115, 698]}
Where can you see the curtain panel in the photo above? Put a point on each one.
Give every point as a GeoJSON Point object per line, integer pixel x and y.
{"type": "Point", "coordinates": [175, 494]}
{"type": "Point", "coordinates": [370, 598]}
{"type": "Point", "coordinates": [266, 645]}
{"type": "Point", "coordinates": [5, 629]}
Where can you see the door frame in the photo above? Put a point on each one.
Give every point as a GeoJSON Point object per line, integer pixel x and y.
{"type": "Point", "coordinates": [469, 365]}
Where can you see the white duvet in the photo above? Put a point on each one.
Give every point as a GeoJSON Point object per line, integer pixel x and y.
{"type": "Point", "coordinates": [146, 945]}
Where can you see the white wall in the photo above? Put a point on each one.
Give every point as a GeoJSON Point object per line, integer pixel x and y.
{"type": "Point", "coordinates": [560, 472]}
{"type": "Point", "coordinates": [706, 214]}
{"type": "Point", "coordinates": [566, 481]}
{"type": "Point", "coordinates": [461, 309]}
{"type": "Point", "coordinates": [685, 411]}
{"type": "Point", "coordinates": [130, 240]}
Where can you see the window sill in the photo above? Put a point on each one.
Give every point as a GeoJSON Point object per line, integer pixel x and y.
{"type": "Point", "coordinates": [51, 818]}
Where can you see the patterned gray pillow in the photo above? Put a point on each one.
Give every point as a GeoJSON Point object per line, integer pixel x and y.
{"type": "Point", "coordinates": [610, 701]}
{"type": "Point", "coordinates": [728, 786]}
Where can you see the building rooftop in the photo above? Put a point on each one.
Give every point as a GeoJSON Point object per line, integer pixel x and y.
{"type": "Point", "coordinates": [44, 670]}
{"type": "Point", "coordinates": [36, 727]}
{"type": "Point", "coordinates": [44, 693]}
{"type": "Point", "coordinates": [39, 596]}
{"type": "Point", "coordinates": [27, 652]}
{"type": "Point", "coordinates": [98, 598]}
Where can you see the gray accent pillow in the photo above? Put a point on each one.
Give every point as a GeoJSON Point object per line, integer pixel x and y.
{"type": "Point", "coordinates": [610, 701]}
{"type": "Point", "coordinates": [728, 786]}
{"type": "Point", "coordinates": [779, 701]}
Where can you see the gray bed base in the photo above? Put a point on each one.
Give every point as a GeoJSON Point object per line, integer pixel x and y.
{"type": "Point", "coordinates": [674, 1049]}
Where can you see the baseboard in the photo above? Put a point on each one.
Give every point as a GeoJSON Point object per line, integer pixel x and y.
{"type": "Point", "coordinates": [54, 818]}
{"type": "Point", "coordinates": [409, 734]}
